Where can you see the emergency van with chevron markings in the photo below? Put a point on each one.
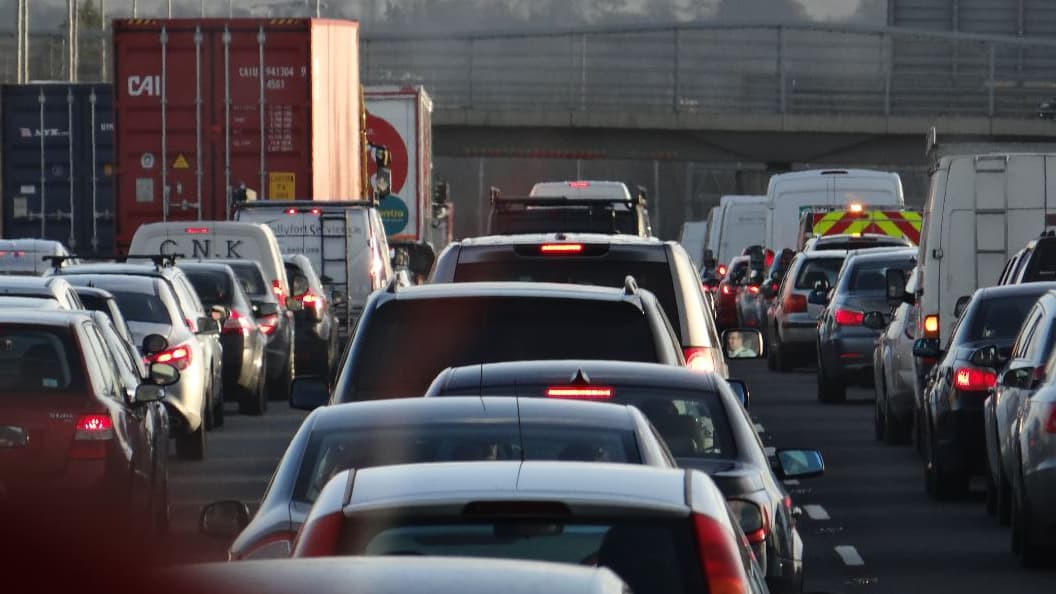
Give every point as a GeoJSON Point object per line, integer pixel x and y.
{"type": "Point", "coordinates": [855, 221]}
{"type": "Point", "coordinates": [790, 196]}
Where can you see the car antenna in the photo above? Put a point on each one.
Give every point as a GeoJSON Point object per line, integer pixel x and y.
{"type": "Point", "coordinates": [57, 261]}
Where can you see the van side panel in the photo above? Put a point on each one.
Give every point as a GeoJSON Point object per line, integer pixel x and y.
{"type": "Point", "coordinates": [743, 225]}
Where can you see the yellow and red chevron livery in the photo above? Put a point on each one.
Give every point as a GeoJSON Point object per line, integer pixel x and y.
{"type": "Point", "coordinates": [894, 223]}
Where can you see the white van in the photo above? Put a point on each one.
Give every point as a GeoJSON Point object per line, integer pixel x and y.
{"type": "Point", "coordinates": [693, 236]}
{"type": "Point", "coordinates": [711, 238]}
{"type": "Point", "coordinates": [214, 240]}
{"type": "Point", "coordinates": [981, 210]}
{"type": "Point", "coordinates": [345, 242]}
{"type": "Point", "coordinates": [791, 195]}
{"type": "Point", "coordinates": [742, 223]}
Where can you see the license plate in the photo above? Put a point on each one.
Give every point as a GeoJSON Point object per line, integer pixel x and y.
{"type": "Point", "coordinates": [13, 437]}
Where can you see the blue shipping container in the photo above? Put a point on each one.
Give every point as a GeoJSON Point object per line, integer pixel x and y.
{"type": "Point", "coordinates": [58, 155]}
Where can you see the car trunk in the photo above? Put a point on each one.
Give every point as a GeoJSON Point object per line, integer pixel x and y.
{"type": "Point", "coordinates": [37, 434]}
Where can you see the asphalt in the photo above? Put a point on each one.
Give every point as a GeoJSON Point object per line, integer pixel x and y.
{"type": "Point", "coordinates": [868, 525]}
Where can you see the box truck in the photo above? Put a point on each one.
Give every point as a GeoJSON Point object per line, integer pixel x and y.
{"type": "Point", "coordinates": [213, 111]}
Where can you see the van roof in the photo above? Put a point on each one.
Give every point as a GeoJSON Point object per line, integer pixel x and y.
{"type": "Point", "coordinates": [754, 199]}
{"type": "Point", "coordinates": [817, 173]}
{"type": "Point", "coordinates": [200, 227]}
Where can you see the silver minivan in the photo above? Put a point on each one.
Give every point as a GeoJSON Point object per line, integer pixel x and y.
{"type": "Point", "coordinates": [792, 321]}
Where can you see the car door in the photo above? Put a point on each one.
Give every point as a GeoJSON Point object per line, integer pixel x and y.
{"type": "Point", "coordinates": [192, 306]}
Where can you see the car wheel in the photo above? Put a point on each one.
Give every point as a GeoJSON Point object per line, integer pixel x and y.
{"type": "Point", "coordinates": [896, 432]}
{"type": "Point", "coordinates": [1004, 498]}
{"type": "Point", "coordinates": [991, 492]}
{"type": "Point", "coordinates": [781, 358]}
{"type": "Point", "coordinates": [280, 388]}
{"type": "Point", "coordinates": [830, 390]}
{"type": "Point", "coordinates": [207, 417]}
{"type": "Point", "coordinates": [254, 402]}
{"type": "Point", "coordinates": [942, 483]}
{"type": "Point", "coordinates": [218, 407]}
{"type": "Point", "coordinates": [1031, 554]}
{"type": "Point", "coordinates": [878, 421]}
{"type": "Point", "coordinates": [190, 445]}
{"type": "Point", "coordinates": [771, 356]}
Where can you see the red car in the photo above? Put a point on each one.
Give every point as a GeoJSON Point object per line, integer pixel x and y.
{"type": "Point", "coordinates": [726, 294]}
{"type": "Point", "coordinates": [70, 433]}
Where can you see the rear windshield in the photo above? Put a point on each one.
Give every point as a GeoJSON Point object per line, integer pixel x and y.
{"type": "Point", "coordinates": [1042, 266]}
{"type": "Point", "coordinates": [331, 452]}
{"type": "Point", "coordinates": [569, 219]}
{"type": "Point", "coordinates": [1000, 318]}
{"type": "Point", "coordinates": [213, 286]}
{"type": "Point", "coordinates": [653, 276]}
{"type": "Point", "coordinates": [860, 243]}
{"type": "Point", "coordinates": [872, 277]}
{"type": "Point", "coordinates": [407, 343]}
{"type": "Point", "coordinates": [817, 269]}
{"type": "Point", "coordinates": [142, 307]}
{"type": "Point", "coordinates": [653, 556]}
{"type": "Point", "coordinates": [39, 360]}
{"type": "Point", "coordinates": [252, 279]}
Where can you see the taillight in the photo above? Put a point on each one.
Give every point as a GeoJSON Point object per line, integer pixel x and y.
{"type": "Point", "coordinates": [753, 289]}
{"type": "Point", "coordinates": [280, 294]}
{"type": "Point", "coordinates": [773, 287]}
{"type": "Point", "coordinates": [179, 357]}
{"type": "Point", "coordinates": [753, 519]}
{"type": "Point", "coordinates": [268, 324]}
{"type": "Point", "coordinates": [728, 290]}
{"type": "Point", "coordinates": [848, 317]}
{"type": "Point", "coordinates": [290, 211]}
{"type": "Point", "coordinates": [719, 557]}
{"type": "Point", "coordinates": [91, 432]}
{"type": "Point", "coordinates": [311, 299]}
{"type": "Point", "coordinates": [237, 323]}
{"type": "Point", "coordinates": [721, 270]}
{"type": "Point", "coordinates": [795, 303]}
{"type": "Point", "coordinates": [698, 359]}
{"type": "Point", "coordinates": [561, 248]}
{"type": "Point", "coordinates": [318, 538]}
{"type": "Point", "coordinates": [1050, 425]}
{"type": "Point", "coordinates": [973, 380]}
{"type": "Point", "coordinates": [580, 392]}
{"type": "Point", "coordinates": [931, 326]}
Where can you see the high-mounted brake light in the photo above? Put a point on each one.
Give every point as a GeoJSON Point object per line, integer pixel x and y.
{"type": "Point", "coordinates": [849, 317]}
{"type": "Point", "coordinates": [580, 392]}
{"type": "Point", "coordinates": [290, 211]}
{"type": "Point", "coordinates": [561, 248]}
{"type": "Point", "coordinates": [855, 208]}
{"type": "Point", "coordinates": [196, 230]}
{"type": "Point", "coordinates": [974, 380]}
{"type": "Point", "coordinates": [579, 184]}
{"type": "Point", "coordinates": [315, 211]}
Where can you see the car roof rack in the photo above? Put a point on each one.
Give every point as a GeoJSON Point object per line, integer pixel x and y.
{"type": "Point", "coordinates": [160, 261]}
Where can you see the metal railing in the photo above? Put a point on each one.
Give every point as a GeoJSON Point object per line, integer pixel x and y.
{"type": "Point", "coordinates": [719, 69]}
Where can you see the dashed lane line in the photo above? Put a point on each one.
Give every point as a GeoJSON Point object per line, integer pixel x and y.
{"type": "Point", "coordinates": [792, 482]}
{"type": "Point", "coordinates": [849, 555]}
{"type": "Point", "coordinates": [816, 512]}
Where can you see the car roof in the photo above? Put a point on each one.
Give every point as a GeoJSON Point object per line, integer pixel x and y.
{"type": "Point", "coordinates": [26, 282]}
{"type": "Point", "coordinates": [564, 371]}
{"type": "Point", "coordinates": [511, 290]}
{"type": "Point", "coordinates": [394, 575]}
{"type": "Point", "coordinates": [822, 254]}
{"type": "Point", "coordinates": [118, 268]}
{"type": "Point", "coordinates": [415, 411]}
{"type": "Point", "coordinates": [228, 262]}
{"type": "Point", "coordinates": [1013, 290]}
{"type": "Point", "coordinates": [881, 254]}
{"type": "Point", "coordinates": [41, 246]}
{"type": "Point", "coordinates": [118, 282]}
{"type": "Point", "coordinates": [592, 483]}
{"type": "Point", "coordinates": [35, 317]}
{"type": "Point", "coordinates": [210, 265]}
{"type": "Point", "coordinates": [815, 173]}
{"type": "Point", "coordinates": [536, 238]}
{"type": "Point", "coordinates": [39, 301]}
{"type": "Point", "coordinates": [852, 236]}
{"type": "Point", "coordinates": [93, 291]}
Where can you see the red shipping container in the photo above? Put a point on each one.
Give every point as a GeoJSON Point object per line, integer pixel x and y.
{"type": "Point", "coordinates": [193, 116]}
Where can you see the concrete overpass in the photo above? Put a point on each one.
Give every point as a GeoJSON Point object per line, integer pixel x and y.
{"type": "Point", "coordinates": [694, 111]}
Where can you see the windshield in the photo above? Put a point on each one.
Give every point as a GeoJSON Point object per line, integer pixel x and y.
{"type": "Point", "coordinates": [569, 219]}
{"type": "Point", "coordinates": [872, 277]}
{"type": "Point", "coordinates": [999, 318]}
{"type": "Point", "coordinates": [818, 269]}
{"type": "Point", "coordinates": [142, 307]}
{"type": "Point", "coordinates": [214, 287]}
{"type": "Point", "coordinates": [483, 330]}
{"type": "Point", "coordinates": [40, 361]}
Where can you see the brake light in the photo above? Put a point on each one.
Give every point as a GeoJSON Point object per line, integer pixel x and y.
{"type": "Point", "coordinates": [197, 230]}
{"type": "Point", "coordinates": [698, 359]}
{"type": "Point", "coordinates": [280, 294]}
{"type": "Point", "coordinates": [315, 211]}
{"type": "Point", "coordinates": [237, 323]}
{"type": "Point", "coordinates": [1050, 425]}
{"type": "Point", "coordinates": [91, 432]}
{"type": "Point", "coordinates": [753, 289]}
{"type": "Point", "coordinates": [290, 211]}
{"type": "Point", "coordinates": [579, 184]}
{"type": "Point", "coordinates": [721, 270]}
{"type": "Point", "coordinates": [728, 290]}
{"type": "Point", "coordinates": [561, 248]}
{"type": "Point", "coordinates": [719, 557]}
{"type": "Point", "coordinates": [318, 538]}
{"type": "Point", "coordinates": [849, 317]}
{"type": "Point", "coordinates": [580, 392]}
{"type": "Point", "coordinates": [268, 324]}
{"type": "Point", "coordinates": [931, 326]}
{"type": "Point", "coordinates": [179, 357]}
{"type": "Point", "coordinates": [973, 380]}
{"type": "Point", "coordinates": [855, 208]}
{"type": "Point", "coordinates": [311, 300]}
{"type": "Point", "coordinates": [795, 303]}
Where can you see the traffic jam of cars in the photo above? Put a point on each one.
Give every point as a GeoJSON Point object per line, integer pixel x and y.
{"type": "Point", "coordinates": [561, 404]}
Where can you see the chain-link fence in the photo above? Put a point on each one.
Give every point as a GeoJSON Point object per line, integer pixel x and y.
{"type": "Point", "coordinates": [722, 69]}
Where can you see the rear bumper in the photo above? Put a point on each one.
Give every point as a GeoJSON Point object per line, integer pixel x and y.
{"type": "Point", "coordinates": [960, 440]}
{"type": "Point", "coordinates": [850, 357]}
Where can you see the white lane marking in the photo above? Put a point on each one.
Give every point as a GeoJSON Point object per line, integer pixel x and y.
{"type": "Point", "coordinates": [759, 427]}
{"type": "Point", "coordinates": [850, 555]}
{"type": "Point", "coordinates": [770, 450]}
{"type": "Point", "coordinates": [792, 482]}
{"type": "Point", "coordinates": [816, 512]}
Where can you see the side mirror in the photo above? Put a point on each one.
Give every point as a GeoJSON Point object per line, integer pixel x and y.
{"type": "Point", "coordinates": [309, 392]}
{"type": "Point", "coordinates": [740, 388]}
{"type": "Point", "coordinates": [219, 313]}
{"type": "Point", "coordinates": [294, 304]}
{"type": "Point", "coordinates": [961, 305]}
{"type": "Point", "coordinates": [743, 343]}
{"type": "Point", "coordinates": [149, 393]}
{"type": "Point", "coordinates": [927, 348]}
{"type": "Point", "coordinates": [207, 325]}
{"type": "Point", "coordinates": [987, 356]}
{"type": "Point", "coordinates": [264, 309]}
{"type": "Point", "coordinates": [154, 343]}
{"type": "Point", "coordinates": [797, 464]}
{"type": "Point", "coordinates": [223, 519]}
{"type": "Point", "coordinates": [874, 320]}
{"type": "Point", "coordinates": [162, 374]}
{"type": "Point", "coordinates": [896, 285]}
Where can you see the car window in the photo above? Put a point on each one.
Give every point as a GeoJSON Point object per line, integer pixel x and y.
{"type": "Point", "coordinates": [999, 318]}
{"type": "Point", "coordinates": [330, 452]}
{"type": "Point", "coordinates": [1042, 263]}
{"type": "Point", "coordinates": [871, 277]}
{"type": "Point", "coordinates": [39, 360]}
{"type": "Point", "coordinates": [109, 376]}
{"type": "Point", "coordinates": [142, 307]}
{"type": "Point", "coordinates": [187, 296]}
{"type": "Point", "coordinates": [214, 287]}
{"type": "Point", "coordinates": [252, 279]}
{"type": "Point", "coordinates": [480, 330]}
{"type": "Point", "coordinates": [602, 218]}
{"type": "Point", "coordinates": [1026, 334]}
{"type": "Point", "coordinates": [129, 363]}
{"type": "Point", "coordinates": [693, 426]}
{"type": "Point", "coordinates": [818, 269]}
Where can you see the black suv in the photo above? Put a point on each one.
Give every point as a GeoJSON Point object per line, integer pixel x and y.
{"type": "Point", "coordinates": [662, 267]}
{"type": "Point", "coordinates": [407, 336]}
{"type": "Point", "coordinates": [1034, 263]}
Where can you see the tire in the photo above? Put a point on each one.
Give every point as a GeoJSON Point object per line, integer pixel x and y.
{"type": "Point", "coordinates": [781, 359]}
{"type": "Point", "coordinates": [218, 406]}
{"type": "Point", "coordinates": [1031, 555]}
{"type": "Point", "coordinates": [830, 390]}
{"type": "Point", "coordinates": [1003, 501]}
{"type": "Point", "coordinates": [896, 432]}
{"type": "Point", "coordinates": [255, 402]}
{"type": "Point", "coordinates": [279, 389]}
{"type": "Point", "coordinates": [191, 445]}
{"type": "Point", "coordinates": [771, 358]}
{"type": "Point", "coordinates": [991, 493]}
{"type": "Point", "coordinates": [160, 509]}
{"type": "Point", "coordinates": [207, 418]}
{"type": "Point", "coordinates": [879, 428]}
{"type": "Point", "coordinates": [941, 483]}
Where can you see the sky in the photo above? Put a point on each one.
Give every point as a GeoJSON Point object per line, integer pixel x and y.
{"type": "Point", "coordinates": [474, 14]}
